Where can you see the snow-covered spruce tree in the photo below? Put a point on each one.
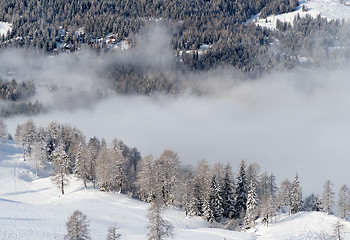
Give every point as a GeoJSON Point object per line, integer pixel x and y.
{"type": "Point", "coordinates": [327, 199]}
{"type": "Point", "coordinates": [296, 197]}
{"type": "Point", "coordinates": [145, 179]}
{"type": "Point", "coordinates": [252, 207]}
{"type": "Point", "coordinates": [312, 203]}
{"type": "Point", "coordinates": [112, 233]}
{"type": "Point", "coordinates": [196, 200]}
{"type": "Point", "coordinates": [343, 201]}
{"type": "Point", "coordinates": [227, 193]}
{"type": "Point", "coordinates": [241, 192]}
{"type": "Point", "coordinates": [158, 227]}
{"type": "Point", "coordinates": [61, 168]}
{"type": "Point", "coordinates": [201, 188]}
{"type": "Point", "coordinates": [77, 227]}
{"type": "Point", "coordinates": [53, 138]}
{"type": "Point", "coordinates": [215, 201]}
{"type": "Point", "coordinates": [3, 133]}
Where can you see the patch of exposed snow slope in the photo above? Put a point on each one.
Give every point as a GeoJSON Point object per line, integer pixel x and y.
{"type": "Point", "coordinates": [4, 27]}
{"type": "Point", "coordinates": [32, 207]}
{"type": "Point", "coordinates": [330, 9]}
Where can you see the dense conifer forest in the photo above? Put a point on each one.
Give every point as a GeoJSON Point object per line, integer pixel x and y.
{"type": "Point", "coordinates": [54, 26]}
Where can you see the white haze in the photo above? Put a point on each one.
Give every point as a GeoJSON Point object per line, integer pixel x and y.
{"type": "Point", "coordinates": [286, 122]}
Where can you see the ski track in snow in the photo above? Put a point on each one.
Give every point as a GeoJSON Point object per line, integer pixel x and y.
{"type": "Point", "coordinates": [32, 208]}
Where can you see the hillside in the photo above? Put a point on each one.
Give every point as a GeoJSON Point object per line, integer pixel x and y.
{"type": "Point", "coordinates": [330, 9]}
{"type": "Point", "coordinates": [32, 208]}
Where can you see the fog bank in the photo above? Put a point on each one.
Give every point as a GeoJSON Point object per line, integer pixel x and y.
{"type": "Point", "coordinates": [286, 122]}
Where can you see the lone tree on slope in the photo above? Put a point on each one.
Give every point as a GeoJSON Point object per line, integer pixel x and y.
{"type": "Point", "coordinates": [77, 227]}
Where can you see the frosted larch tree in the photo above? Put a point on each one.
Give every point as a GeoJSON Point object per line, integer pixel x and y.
{"type": "Point", "coordinates": [284, 195]}
{"type": "Point", "coordinates": [112, 233]}
{"type": "Point", "coordinates": [82, 164]}
{"type": "Point", "coordinates": [77, 227]}
{"type": "Point", "coordinates": [327, 198]}
{"type": "Point", "coordinates": [145, 179]}
{"type": "Point", "coordinates": [343, 201]}
{"type": "Point", "coordinates": [158, 227]}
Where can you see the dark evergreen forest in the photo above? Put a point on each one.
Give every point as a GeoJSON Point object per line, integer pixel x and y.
{"type": "Point", "coordinates": [52, 26]}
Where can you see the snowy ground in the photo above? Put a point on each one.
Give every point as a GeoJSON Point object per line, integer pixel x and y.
{"type": "Point", "coordinates": [330, 9]}
{"type": "Point", "coordinates": [32, 208]}
{"type": "Point", "coordinates": [4, 27]}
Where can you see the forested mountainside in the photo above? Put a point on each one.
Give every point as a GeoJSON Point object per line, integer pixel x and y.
{"type": "Point", "coordinates": [204, 34]}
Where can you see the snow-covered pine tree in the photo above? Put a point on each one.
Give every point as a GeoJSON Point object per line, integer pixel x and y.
{"type": "Point", "coordinates": [77, 227]}
{"type": "Point", "coordinates": [296, 198]}
{"type": "Point", "coordinates": [227, 193]}
{"type": "Point", "coordinates": [112, 233]}
{"type": "Point", "coordinates": [327, 199]}
{"type": "Point", "coordinates": [158, 227]}
{"type": "Point", "coordinates": [252, 207]}
{"type": "Point", "coordinates": [215, 200]}
{"type": "Point", "coordinates": [61, 168]}
{"type": "Point", "coordinates": [241, 192]}
{"type": "Point", "coordinates": [201, 187]}
{"type": "Point", "coordinates": [312, 203]}
{"type": "Point", "coordinates": [343, 201]}
{"type": "Point", "coordinates": [196, 200]}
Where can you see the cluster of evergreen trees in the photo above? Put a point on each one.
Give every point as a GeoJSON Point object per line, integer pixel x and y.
{"type": "Point", "coordinates": [210, 192]}
{"type": "Point", "coordinates": [48, 24]}
{"type": "Point", "coordinates": [16, 94]}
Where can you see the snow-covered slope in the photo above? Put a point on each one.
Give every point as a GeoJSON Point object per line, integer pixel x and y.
{"type": "Point", "coordinates": [4, 27]}
{"type": "Point", "coordinates": [32, 208]}
{"type": "Point", "coordinates": [304, 225]}
{"type": "Point", "coordinates": [330, 9]}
